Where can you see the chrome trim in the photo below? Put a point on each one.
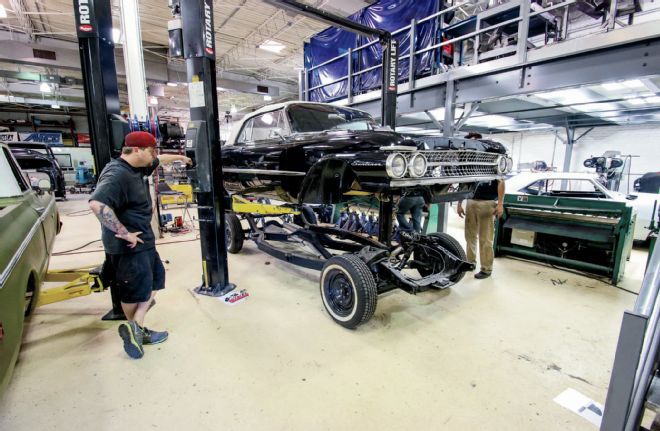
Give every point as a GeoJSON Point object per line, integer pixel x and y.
{"type": "Point", "coordinates": [398, 148]}
{"type": "Point", "coordinates": [263, 172]}
{"type": "Point", "coordinates": [24, 245]}
{"type": "Point", "coordinates": [410, 182]}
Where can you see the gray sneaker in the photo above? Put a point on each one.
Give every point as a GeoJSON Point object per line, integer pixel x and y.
{"type": "Point", "coordinates": [132, 335]}
{"type": "Point", "coordinates": [153, 337]}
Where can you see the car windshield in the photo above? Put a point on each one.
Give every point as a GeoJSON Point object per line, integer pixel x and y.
{"type": "Point", "coordinates": [319, 118]}
{"type": "Point", "coordinates": [9, 184]}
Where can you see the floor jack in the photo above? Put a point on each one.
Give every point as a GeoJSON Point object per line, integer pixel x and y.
{"type": "Point", "coordinates": [77, 282]}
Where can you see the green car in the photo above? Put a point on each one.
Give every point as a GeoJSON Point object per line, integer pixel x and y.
{"type": "Point", "coordinates": [29, 221]}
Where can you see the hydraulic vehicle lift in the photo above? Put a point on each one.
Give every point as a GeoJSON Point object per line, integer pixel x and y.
{"type": "Point", "coordinates": [106, 128]}
{"type": "Point", "coordinates": [192, 37]}
{"type": "Point", "coordinates": [390, 80]}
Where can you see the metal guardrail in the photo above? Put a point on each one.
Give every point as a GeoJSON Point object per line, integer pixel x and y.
{"type": "Point", "coordinates": [522, 20]}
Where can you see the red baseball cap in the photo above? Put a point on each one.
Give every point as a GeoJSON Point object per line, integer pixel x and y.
{"type": "Point", "coordinates": [140, 140]}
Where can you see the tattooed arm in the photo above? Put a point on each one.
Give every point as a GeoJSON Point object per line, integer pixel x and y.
{"type": "Point", "coordinates": [109, 219]}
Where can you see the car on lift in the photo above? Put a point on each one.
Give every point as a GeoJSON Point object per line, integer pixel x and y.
{"type": "Point", "coordinates": [302, 154]}
{"type": "Point", "coordinates": [38, 161]}
{"type": "Point", "coordinates": [585, 186]}
{"type": "Point", "coordinates": [30, 221]}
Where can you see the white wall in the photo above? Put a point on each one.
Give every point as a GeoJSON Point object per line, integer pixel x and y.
{"type": "Point", "coordinates": [639, 140]}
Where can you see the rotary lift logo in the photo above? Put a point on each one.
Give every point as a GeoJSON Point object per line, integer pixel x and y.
{"type": "Point", "coordinates": [83, 12]}
{"type": "Point", "coordinates": [208, 29]}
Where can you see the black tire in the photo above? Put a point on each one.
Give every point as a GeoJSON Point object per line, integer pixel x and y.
{"type": "Point", "coordinates": [233, 233]}
{"type": "Point", "coordinates": [450, 243]}
{"type": "Point", "coordinates": [348, 290]}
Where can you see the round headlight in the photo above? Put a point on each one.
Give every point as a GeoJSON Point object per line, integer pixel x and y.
{"type": "Point", "coordinates": [417, 165]}
{"type": "Point", "coordinates": [396, 165]}
{"type": "Point", "coordinates": [501, 164]}
{"type": "Point", "coordinates": [509, 164]}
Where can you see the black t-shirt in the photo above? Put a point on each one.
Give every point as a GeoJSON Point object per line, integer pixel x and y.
{"type": "Point", "coordinates": [486, 191]}
{"type": "Point", "coordinates": [125, 189]}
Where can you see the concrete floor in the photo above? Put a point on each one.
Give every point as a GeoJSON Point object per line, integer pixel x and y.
{"type": "Point", "coordinates": [486, 354]}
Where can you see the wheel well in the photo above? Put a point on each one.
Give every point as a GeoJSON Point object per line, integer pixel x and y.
{"type": "Point", "coordinates": [31, 287]}
{"type": "Point", "coordinates": [326, 182]}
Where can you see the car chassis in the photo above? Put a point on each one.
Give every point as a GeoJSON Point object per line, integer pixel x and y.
{"type": "Point", "coordinates": [350, 283]}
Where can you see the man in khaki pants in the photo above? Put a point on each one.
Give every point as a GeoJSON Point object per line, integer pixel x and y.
{"type": "Point", "coordinates": [487, 202]}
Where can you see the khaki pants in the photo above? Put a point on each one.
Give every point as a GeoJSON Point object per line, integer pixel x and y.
{"type": "Point", "coordinates": [479, 221]}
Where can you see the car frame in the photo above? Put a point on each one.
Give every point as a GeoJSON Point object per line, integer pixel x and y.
{"type": "Point", "coordinates": [30, 223]}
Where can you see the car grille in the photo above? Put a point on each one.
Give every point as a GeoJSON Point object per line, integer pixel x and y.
{"type": "Point", "coordinates": [460, 163]}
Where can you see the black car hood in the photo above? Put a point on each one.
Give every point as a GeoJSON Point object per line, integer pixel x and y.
{"type": "Point", "coordinates": [358, 140]}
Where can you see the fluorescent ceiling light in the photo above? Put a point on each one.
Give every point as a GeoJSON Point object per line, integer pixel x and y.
{"type": "Point", "coordinates": [172, 84]}
{"type": "Point", "coordinates": [267, 98]}
{"type": "Point", "coordinates": [55, 106]}
{"type": "Point", "coordinates": [116, 35]}
{"type": "Point", "coordinates": [613, 86]}
{"type": "Point", "coordinates": [272, 46]}
{"type": "Point", "coordinates": [44, 87]}
{"type": "Point", "coordinates": [220, 88]}
{"type": "Point", "coordinates": [153, 100]}
{"type": "Point", "coordinates": [3, 12]}
{"type": "Point", "coordinates": [571, 95]}
{"type": "Point", "coordinates": [589, 107]}
{"type": "Point", "coordinates": [233, 109]}
{"type": "Point", "coordinates": [637, 101]}
{"type": "Point", "coordinates": [634, 83]}
{"type": "Point", "coordinates": [491, 121]}
{"type": "Point", "coordinates": [653, 99]}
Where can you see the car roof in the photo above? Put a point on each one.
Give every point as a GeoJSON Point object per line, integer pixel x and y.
{"type": "Point", "coordinates": [556, 175]}
{"type": "Point", "coordinates": [274, 107]}
{"type": "Point", "coordinates": [25, 144]}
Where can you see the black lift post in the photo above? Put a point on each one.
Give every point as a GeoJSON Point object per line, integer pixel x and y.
{"type": "Point", "coordinates": [192, 36]}
{"type": "Point", "coordinates": [97, 61]}
{"type": "Point", "coordinates": [389, 82]}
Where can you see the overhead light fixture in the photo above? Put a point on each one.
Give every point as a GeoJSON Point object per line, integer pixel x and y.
{"type": "Point", "coordinates": [220, 88]}
{"type": "Point", "coordinates": [267, 98]}
{"type": "Point", "coordinates": [172, 84]}
{"type": "Point", "coordinates": [116, 35]}
{"type": "Point", "coordinates": [44, 87]}
{"type": "Point", "coordinates": [571, 95]}
{"type": "Point", "coordinates": [153, 100]}
{"type": "Point", "coordinates": [637, 101]}
{"type": "Point", "coordinates": [613, 86]}
{"type": "Point", "coordinates": [3, 12]}
{"type": "Point", "coordinates": [272, 46]}
{"type": "Point", "coordinates": [634, 83]}
{"type": "Point", "coordinates": [233, 109]}
{"type": "Point", "coordinates": [653, 99]}
{"type": "Point", "coordinates": [55, 106]}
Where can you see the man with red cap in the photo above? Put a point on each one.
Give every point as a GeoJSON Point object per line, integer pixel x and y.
{"type": "Point", "coordinates": [122, 203]}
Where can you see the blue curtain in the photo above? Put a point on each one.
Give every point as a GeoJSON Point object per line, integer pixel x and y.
{"type": "Point", "coordinates": [388, 15]}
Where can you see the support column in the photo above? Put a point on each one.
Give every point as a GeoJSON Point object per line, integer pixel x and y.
{"type": "Point", "coordinates": [447, 132]}
{"type": "Point", "coordinates": [203, 142]}
{"type": "Point", "coordinates": [99, 72]}
{"type": "Point", "coordinates": [133, 60]}
{"type": "Point", "coordinates": [570, 141]}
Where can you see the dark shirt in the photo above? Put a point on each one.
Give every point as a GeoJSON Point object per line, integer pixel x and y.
{"type": "Point", "coordinates": [486, 191]}
{"type": "Point", "coordinates": [125, 189]}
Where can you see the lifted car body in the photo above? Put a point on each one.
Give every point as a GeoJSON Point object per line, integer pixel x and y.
{"type": "Point", "coordinates": [274, 154]}
{"type": "Point", "coordinates": [40, 158]}
{"type": "Point", "coordinates": [30, 222]}
{"type": "Point", "coordinates": [302, 153]}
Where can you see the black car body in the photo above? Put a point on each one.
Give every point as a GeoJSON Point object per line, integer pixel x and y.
{"type": "Point", "coordinates": [314, 153]}
{"type": "Point", "coordinates": [40, 158]}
